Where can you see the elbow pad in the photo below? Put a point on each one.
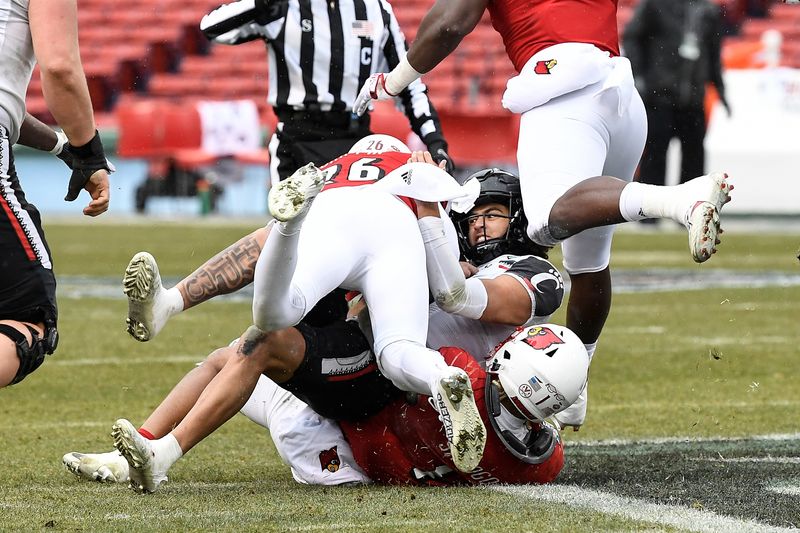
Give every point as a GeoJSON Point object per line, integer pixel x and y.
{"type": "Point", "coordinates": [451, 290]}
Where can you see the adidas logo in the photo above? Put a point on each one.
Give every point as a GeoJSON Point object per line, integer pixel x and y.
{"type": "Point", "coordinates": [445, 415]}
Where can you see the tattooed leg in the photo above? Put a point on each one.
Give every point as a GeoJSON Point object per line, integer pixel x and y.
{"type": "Point", "coordinates": [226, 272]}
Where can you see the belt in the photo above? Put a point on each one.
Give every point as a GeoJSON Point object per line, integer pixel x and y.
{"type": "Point", "coordinates": [336, 119]}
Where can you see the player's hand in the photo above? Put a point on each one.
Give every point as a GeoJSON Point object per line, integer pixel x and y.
{"type": "Point", "coordinates": [98, 188]}
{"type": "Point", "coordinates": [374, 89]}
{"type": "Point", "coordinates": [85, 161]}
{"type": "Point", "coordinates": [423, 156]}
{"type": "Point", "coordinates": [468, 268]}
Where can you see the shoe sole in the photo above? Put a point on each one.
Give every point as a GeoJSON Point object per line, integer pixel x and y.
{"type": "Point", "coordinates": [293, 196]}
{"type": "Point", "coordinates": [464, 429]}
{"type": "Point", "coordinates": [103, 474]}
{"type": "Point", "coordinates": [122, 432]}
{"type": "Point", "coordinates": [704, 222]}
{"type": "Point", "coordinates": [140, 284]}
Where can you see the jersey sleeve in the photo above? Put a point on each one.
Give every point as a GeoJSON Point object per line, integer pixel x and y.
{"type": "Point", "coordinates": [542, 281]}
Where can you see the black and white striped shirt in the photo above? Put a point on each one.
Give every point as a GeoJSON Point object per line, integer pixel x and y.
{"type": "Point", "coordinates": [322, 51]}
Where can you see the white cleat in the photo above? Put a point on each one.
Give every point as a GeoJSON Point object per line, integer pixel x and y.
{"type": "Point", "coordinates": [462, 422]}
{"type": "Point", "coordinates": [708, 195]}
{"type": "Point", "coordinates": [292, 197]}
{"type": "Point", "coordinates": [145, 472]}
{"type": "Point", "coordinates": [575, 415]}
{"type": "Point", "coordinates": [147, 308]}
{"type": "Point", "coordinates": [109, 467]}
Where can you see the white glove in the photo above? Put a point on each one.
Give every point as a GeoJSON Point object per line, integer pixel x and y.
{"type": "Point", "coordinates": [374, 89]}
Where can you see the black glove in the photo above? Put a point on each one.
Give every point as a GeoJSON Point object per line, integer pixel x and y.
{"type": "Point", "coordinates": [438, 150]}
{"type": "Point", "coordinates": [84, 161]}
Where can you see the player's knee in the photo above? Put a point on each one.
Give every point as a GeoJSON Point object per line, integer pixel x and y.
{"type": "Point", "coordinates": [277, 354]}
{"type": "Point", "coordinates": [28, 348]}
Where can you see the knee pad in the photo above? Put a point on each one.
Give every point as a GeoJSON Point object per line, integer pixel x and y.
{"type": "Point", "coordinates": [588, 251]}
{"type": "Point", "coordinates": [31, 355]}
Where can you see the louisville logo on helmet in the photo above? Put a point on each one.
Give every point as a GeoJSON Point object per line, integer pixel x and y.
{"type": "Point", "coordinates": [544, 67]}
{"type": "Point", "coordinates": [541, 338]}
{"type": "Point", "coordinates": [329, 460]}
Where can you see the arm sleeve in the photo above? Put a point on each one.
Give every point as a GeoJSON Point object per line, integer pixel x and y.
{"type": "Point", "coordinates": [542, 281]}
{"type": "Point", "coordinates": [451, 290]}
{"type": "Point", "coordinates": [240, 22]}
{"type": "Point", "coordinates": [414, 99]}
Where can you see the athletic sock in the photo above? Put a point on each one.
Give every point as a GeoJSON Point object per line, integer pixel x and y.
{"type": "Point", "coordinates": [640, 200]}
{"type": "Point", "coordinates": [167, 451]}
{"type": "Point", "coordinates": [412, 367]}
{"type": "Point", "coordinates": [146, 434]}
{"type": "Point", "coordinates": [174, 301]}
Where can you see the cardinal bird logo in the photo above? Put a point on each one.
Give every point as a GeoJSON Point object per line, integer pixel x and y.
{"type": "Point", "coordinates": [544, 67]}
{"type": "Point", "coordinates": [329, 460]}
{"type": "Point", "coordinates": [541, 338]}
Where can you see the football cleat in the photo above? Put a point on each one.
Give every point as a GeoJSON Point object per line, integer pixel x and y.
{"type": "Point", "coordinates": [109, 467]}
{"type": "Point", "coordinates": [463, 427]}
{"type": "Point", "coordinates": [292, 198]}
{"type": "Point", "coordinates": [146, 474]}
{"type": "Point", "coordinates": [707, 196]}
{"type": "Point", "coordinates": [147, 307]}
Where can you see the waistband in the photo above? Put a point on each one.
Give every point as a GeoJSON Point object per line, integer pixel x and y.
{"type": "Point", "coordinates": [338, 119]}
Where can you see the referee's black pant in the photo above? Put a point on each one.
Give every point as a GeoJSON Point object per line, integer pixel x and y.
{"type": "Point", "coordinates": [665, 121]}
{"type": "Point", "coordinates": [304, 137]}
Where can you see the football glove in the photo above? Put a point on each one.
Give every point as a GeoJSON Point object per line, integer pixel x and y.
{"type": "Point", "coordinates": [438, 150]}
{"type": "Point", "coordinates": [374, 89]}
{"type": "Point", "coordinates": [83, 161]}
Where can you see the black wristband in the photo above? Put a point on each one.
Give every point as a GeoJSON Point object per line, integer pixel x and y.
{"type": "Point", "coordinates": [92, 148]}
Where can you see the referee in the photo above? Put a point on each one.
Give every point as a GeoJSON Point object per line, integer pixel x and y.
{"type": "Point", "coordinates": [320, 54]}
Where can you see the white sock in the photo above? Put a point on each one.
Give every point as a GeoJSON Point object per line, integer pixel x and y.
{"type": "Point", "coordinates": [412, 367]}
{"type": "Point", "coordinates": [640, 200]}
{"type": "Point", "coordinates": [275, 306]}
{"type": "Point", "coordinates": [590, 349]}
{"type": "Point", "coordinates": [174, 301]}
{"type": "Point", "coordinates": [166, 450]}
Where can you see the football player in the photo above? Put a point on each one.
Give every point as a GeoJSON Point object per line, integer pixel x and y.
{"type": "Point", "coordinates": [581, 122]}
{"type": "Point", "coordinates": [495, 240]}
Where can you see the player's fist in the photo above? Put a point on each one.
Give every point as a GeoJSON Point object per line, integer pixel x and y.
{"type": "Point", "coordinates": [374, 89]}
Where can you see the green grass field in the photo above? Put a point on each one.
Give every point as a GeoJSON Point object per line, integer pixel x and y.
{"type": "Point", "coordinates": [681, 383]}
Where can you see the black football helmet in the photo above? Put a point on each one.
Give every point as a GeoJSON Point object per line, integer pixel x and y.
{"type": "Point", "coordinates": [497, 186]}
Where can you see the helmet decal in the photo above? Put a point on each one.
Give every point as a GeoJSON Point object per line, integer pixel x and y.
{"type": "Point", "coordinates": [541, 338]}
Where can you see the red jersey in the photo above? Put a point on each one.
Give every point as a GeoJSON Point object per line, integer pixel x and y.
{"type": "Point", "coordinates": [352, 170]}
{"type": "Point", "coordinates": [404, 444]}
{"type": "Point", "coordinates": [527, 27]}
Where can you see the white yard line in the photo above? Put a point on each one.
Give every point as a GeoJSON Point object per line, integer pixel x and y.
{"type": "Point", "coordinates": [639, 510]}
{"type": "Point", "coordinates": [669, 440]}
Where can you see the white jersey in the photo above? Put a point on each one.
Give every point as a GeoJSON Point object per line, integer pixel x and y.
{"type": "Point", "coordinates": [539, 277]}
{"type": "Point", "coordinates": [16, 64]}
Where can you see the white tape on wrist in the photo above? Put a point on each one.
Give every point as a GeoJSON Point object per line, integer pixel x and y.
{"type": "Point", "coordinates": [451, 290]}
{"type": "Point", "coordinates": [61, 140]}
{"type": "Point", "coordinates": [400, 77]}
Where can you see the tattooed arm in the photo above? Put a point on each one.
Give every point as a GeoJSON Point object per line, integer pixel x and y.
{"type": "Point", "coordinates": [226, 272]}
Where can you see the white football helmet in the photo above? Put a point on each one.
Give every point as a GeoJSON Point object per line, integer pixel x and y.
{"type": "Point", "coordinates": [379, 143]}
{"type": "Point", "coordinates": [542, 369]}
